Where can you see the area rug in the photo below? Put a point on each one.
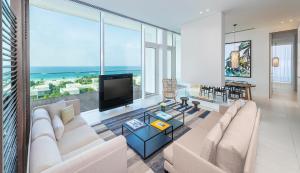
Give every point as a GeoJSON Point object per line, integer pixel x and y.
{"type": "Point", "coordinates": [110, 128]}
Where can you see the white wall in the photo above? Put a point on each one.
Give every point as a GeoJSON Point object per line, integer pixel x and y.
{"type": "Point", "coordinates": [299, 54]}
{"type": "Point", "coordinates": [203, 51]}
{"type": "Point", "coordinates": [298, 81]}
{"type": "Point", "coordinates": [260, 59]}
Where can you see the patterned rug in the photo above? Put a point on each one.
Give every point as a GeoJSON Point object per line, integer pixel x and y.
{"type": "Point", "coordinates": [110, 128]}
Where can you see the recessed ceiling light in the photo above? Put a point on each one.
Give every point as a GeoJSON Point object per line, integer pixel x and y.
{"type": "Point", "coordinates": [207, 10]}
{"type": "Point", "coordinates": [201, 12]}
{"type": "Point", "coordinates": [291, 20]}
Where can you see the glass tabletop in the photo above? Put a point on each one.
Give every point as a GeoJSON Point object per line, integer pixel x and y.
{"type": "Point", "coordinates": [147, 132]}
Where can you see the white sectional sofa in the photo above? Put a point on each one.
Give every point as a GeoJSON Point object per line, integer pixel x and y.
{"type": "Point", "coordinates": [79, 150]}
{"type": "Point", "coordinates": [221, 143]}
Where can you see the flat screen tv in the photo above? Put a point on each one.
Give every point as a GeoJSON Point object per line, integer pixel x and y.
{"type": "Point", "coordinates": [115, 90]}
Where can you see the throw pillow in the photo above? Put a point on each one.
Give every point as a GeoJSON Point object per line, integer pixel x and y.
{"type": "Point", "coordinates": [55, 108]}
{"type": "Point", "coordinates": [58, 127]}
{"type": "Point", "coordinates": [67, 114]}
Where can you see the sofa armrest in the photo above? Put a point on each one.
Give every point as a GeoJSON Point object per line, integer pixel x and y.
{"type": "Point", "coordinates": [111, 156]}
{"type": "Point", "coordinates": [185, 161]}
{"type": "Point", "coordinates": [76, 105]}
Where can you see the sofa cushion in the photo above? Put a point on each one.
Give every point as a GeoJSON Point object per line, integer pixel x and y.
{"type": "Point", "coordinates": [240, 103]}
{"type": "Point", "coordinates": [58, 127]}
{"type": "Point", "coordinates": [40, 113]}
{"type": "Point", "coordinates": [40, 128]}
{"type": "Point", "coordinates": [233, 147]}
{"type": "Point", "coordinates": [67, 114]}
{"type": "Point", "coordinates": [199, 132]}
{"type": "Point", "coordinates": [43, 154]}
{"type": "Point", "coordinates": [76, 138]}
{"type": "Point", "coordinates": [224, 121]}
{"type": "Point", "coordinates": [83, 149]}
{"type": "Point", "coordinates": [209, 146]}
{"type": "Point", "coordinates": [55, 108]}
{"type": "Point", "coordinates": [76, 122]}
{"type": "Point", "coordinates": [232, 110]}
{"type": "Point", "coordinates": [168, 153]}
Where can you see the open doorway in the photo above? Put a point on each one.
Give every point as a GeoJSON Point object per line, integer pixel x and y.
{"type": "Point", "coordinates": [284, 63]}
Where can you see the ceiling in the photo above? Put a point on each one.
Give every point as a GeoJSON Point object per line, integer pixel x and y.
{"type": "Point", "coordinates": [171, 14]}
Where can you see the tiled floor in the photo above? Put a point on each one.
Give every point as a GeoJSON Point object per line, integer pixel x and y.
{"type": "Point", "coordinates": [279, 135]}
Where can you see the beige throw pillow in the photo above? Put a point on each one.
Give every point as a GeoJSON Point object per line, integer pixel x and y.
{"type": "Point", "coordinates": [55, 108]}
{"type": "Point", "coordinates": [67, 114]}
{"type": "Point", "coordinates": [58, 127]}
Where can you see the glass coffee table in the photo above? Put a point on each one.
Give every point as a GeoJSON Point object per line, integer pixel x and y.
{"type": "Point", "coordinates": [176, 118]}
{"type": "Point", "coordinates": [147, 140]}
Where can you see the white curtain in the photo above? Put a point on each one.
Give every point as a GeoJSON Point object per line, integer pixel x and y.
{"type": "Point", "coordinates": [283, 73]}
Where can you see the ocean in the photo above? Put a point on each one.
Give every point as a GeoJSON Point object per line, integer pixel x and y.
{"type": "Point", "coordinates": [67, 72]}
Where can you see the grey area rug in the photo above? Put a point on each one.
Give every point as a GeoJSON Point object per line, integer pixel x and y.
{"type": "Point", "coordinates": [111, 128]}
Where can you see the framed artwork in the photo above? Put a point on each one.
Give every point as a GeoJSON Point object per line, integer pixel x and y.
{"type": "Point", "coordinates": [244, 63]}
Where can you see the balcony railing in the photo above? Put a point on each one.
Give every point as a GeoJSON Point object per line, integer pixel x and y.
{"type": "Point", "coordinates": [46, 88]}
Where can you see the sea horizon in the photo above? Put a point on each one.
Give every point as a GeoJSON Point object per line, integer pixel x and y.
{"type": "Point", "coordinates": [71, 72]}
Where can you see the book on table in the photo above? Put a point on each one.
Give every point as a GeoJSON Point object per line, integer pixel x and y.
{"type": "Point", "coordinates": [164, 116]}
{"type": "Point", "coordinates": [135, 124]}
{"type": "Point", "coordinates": [160, 124]}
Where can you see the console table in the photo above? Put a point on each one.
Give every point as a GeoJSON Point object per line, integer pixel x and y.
{"type": "Point", "coordinates": [246, 86]}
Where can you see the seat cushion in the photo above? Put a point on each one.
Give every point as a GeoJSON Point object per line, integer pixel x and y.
{"type": "Point", "coordinates": [76, 122]}
{"type": "Point", "coordinates": [40, 113]}
{"type": "Point", "coordinates": [76, 138]}
{"type": "Point", "coordinates": [42, 127]}
{"type": "Point", "coordinates": [43, 154]}
{"type": "Point", "coordinates": [233, 147]}
{"type": "Point", "coordinates": [83, 149]}
{"type": "Point", "coordinates": [210, 143]}
{"type": "Point", "coordinates": [56, 108]}
{"type": "Point", "coordinates": [168, 154]}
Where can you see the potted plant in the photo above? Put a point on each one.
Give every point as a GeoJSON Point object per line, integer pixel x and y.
{"type": "Point", "coordinates": [163, 106]}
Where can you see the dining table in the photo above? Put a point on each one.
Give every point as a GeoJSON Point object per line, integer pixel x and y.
{"type": "Point", "coordinates": [244, 85]}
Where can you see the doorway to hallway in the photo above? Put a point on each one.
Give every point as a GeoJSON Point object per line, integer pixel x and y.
{"type": "Point", "coordinates": [284, 63]}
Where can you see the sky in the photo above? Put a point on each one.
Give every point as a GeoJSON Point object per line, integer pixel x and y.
{"type": "Point", "coordinates": [58, 39]}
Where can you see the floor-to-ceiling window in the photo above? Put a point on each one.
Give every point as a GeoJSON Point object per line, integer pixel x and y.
{"type": "Point", "coordinates": [122, 49]}
{"type": "Point", "coordinates": [178, 57]}
{"type": "Point", "coordinates": [64, 54]}
{"type": "Point", "coordinates": [71, 44]}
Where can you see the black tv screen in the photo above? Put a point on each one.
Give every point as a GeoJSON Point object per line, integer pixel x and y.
{"type": "Point", "coordinates": [115, 91]}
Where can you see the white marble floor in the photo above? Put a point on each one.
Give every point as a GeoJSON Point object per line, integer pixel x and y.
{"type": "Point", "coordinates": [279, 137]}
{"type": "Point", "coordinates": [279, 134]}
